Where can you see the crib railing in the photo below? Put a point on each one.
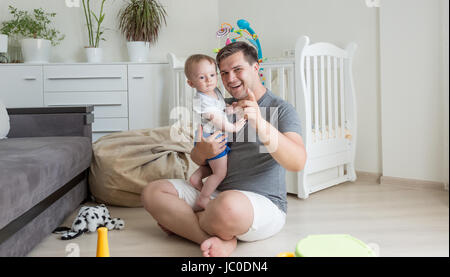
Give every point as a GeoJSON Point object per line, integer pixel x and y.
{"type": "Point", "coordinates": [330, 89]}
{"type": "Point", "coordinates": [279, 78]}
{"type": "Point", "coordinates": [324, 76]}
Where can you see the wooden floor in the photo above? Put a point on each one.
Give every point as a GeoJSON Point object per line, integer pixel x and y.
{"type": "Point", "coordinates": [398, 220]}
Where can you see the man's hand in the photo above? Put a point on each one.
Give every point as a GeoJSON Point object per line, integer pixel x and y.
{"type": "Point", "coordinates": [251, 110]}
{"type": "Point", "coordinates": [209, 147]}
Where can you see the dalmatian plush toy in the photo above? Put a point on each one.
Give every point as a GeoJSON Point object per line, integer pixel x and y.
{"type": "Point", "coordinates": [88, 220]}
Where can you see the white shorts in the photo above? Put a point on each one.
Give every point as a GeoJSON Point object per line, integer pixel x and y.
{"type": "Point", "coordinates": [268, 219]}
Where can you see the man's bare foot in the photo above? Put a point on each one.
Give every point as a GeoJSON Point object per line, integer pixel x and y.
{"type": "Point", "coordinates": [167, 231]}
{"type": "Point", "coordinates": [215, 247]}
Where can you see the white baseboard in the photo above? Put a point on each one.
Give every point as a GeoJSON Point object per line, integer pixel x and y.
{"type": "Point", "coordinates": [412, 183]}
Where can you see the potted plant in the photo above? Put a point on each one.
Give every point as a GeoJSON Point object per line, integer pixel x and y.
{"type": "Point", "coordinates": [140, 22]}
{"type": "Point", "coordinates": [94, 53]}
{"type": "Point", "coordinates": [35, 33]}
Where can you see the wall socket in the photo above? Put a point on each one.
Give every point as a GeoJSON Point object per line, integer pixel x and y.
{"type": "Point", "coordinates": [289, 53]}
{"type": "Point", "coordinates": [73, 3]}
{"type": "Point", "coordinates": [373, 3]}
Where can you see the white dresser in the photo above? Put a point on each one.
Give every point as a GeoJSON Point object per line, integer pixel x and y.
{"type": "Point", "coordinates": [125, 95]}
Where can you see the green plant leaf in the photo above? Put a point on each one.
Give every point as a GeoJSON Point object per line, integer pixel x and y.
{"type": "Point", "coordinates": [95, 17]}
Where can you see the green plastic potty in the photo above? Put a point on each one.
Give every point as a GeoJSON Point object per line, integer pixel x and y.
{"type": "Point", "coordinates": [332, 246]}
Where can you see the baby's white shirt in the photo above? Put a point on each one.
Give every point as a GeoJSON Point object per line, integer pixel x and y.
{"type": "Point", "coordinates": [203, 103]}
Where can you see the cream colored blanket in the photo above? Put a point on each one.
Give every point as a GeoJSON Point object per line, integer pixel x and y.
{"type": "Point", "coordinates": [124, 163]}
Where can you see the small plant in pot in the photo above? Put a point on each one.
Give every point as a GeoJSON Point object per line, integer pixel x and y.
{"type": "Point", "coordinates": [35, 33]}
{"type": "Point", "coordinates": [94, 53]}
{"type": "Point", "coordinates": [140, 21]}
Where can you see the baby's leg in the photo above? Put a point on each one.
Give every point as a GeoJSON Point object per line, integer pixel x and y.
{"type": "Point", "coordinates": [219, 171]}
{"type": "Point", "coordinates": [198, 175]}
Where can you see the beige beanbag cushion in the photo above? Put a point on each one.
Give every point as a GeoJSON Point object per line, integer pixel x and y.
{"type": "Point", "coordinates": [124, 163]}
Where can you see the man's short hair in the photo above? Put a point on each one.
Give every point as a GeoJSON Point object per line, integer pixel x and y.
{"type": "Point", "coordinates": [194, 59]}
{"type": "Point", "coordinates": [249, 52]}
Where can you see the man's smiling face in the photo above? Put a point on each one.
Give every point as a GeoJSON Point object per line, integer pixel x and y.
{"type": "Point", "coordinates": [238, 75]}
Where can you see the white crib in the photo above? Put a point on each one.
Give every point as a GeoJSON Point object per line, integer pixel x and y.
{"type": "Point", "coordinates": [318, 83]}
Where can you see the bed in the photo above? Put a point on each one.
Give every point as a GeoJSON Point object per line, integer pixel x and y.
{"type": "Point", "coordinates": [318, 83]}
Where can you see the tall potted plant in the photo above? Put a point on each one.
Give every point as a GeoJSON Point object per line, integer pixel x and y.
{"type": "Point", "coordinates": [140, 21]}
{"type": "Point", "coordinates": [94, 53]}
{"type": "Point", "coordinates": [35, 33]}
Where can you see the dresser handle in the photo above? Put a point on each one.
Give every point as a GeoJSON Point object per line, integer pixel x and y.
{"type": "Point", "coordinates": [30, 78]}
{"type": "Point", "coordinates": [84, 104]}
{"type": "Point", "coordinates": [84, 77]}
{"type": "Point", "coordinates": [138, 77]}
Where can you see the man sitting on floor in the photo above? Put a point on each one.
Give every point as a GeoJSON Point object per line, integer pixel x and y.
{"type": "Point", "coordinates": [250, 204]}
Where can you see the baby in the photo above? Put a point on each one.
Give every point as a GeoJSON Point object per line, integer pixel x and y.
{"type": "Point", "coordinates": [201, 74]}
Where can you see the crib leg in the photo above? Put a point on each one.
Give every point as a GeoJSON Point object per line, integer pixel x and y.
{"type": "Point", "coordinates": [303, 192]}
{"type": "Point", "coordinates": [351, 172]}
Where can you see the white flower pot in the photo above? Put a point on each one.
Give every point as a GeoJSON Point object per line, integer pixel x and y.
{"type": "Point", "coordinates": [3, 43]}
{"type": "Point", "coordinates": [138, 51]}
{"type": "Point", "coordinates": [94, 55]}
{"type": "Point", "coordinates": [35, 50]}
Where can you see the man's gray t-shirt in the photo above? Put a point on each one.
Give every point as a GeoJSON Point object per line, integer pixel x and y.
{"type": "Point", "coordinates": [250, 166]}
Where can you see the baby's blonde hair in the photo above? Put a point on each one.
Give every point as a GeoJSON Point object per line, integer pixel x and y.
{"type": "Point", "coordinates": [194, 59]}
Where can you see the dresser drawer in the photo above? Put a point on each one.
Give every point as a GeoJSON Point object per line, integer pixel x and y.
{"type": "Point", "coordinates": [64, 78]}
{"type": "Point", "coordinates": [21, 86]}
{"type": "Point", "coordinates": [109, 125]}
{"type": "Point", "coordinates": [106, 104]}
{"type": "Point", "coordinates": [96, 136]}
{"type": "Point", "coordinates": [105, 126]}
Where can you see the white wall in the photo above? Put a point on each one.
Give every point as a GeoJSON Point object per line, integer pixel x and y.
{"type": "Point", "coordinates": [279, 23]}
{"type": "Point", "coordinates": [411, 86]}
{"type": "Point", "coordinates": [445, 90]}
{"type": "Point", "coordinates": [191, 27]}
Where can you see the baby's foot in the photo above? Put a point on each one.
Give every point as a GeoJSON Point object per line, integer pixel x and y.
{"type": "Point", "coordinates": [202, 201]}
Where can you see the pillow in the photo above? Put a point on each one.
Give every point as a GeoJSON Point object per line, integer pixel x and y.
{"type": "Point", "coordinates": [4, 121]}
